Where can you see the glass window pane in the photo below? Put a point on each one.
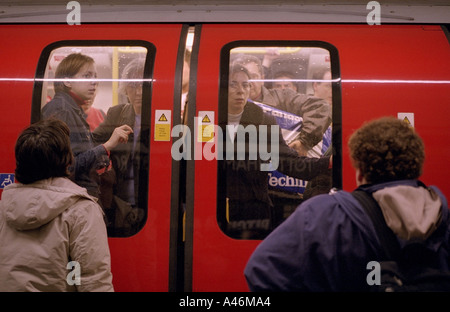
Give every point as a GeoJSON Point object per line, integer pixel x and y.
{"type": "Point", "coordinates": [101, 92]}
{"type": "Point", "coordinates": [278, 104]}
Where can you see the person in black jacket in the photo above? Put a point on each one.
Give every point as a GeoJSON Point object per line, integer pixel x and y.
{"type": "Point", "coordinates": [120, 199]}
{"type": "Point", "coordinates": [246, 180]}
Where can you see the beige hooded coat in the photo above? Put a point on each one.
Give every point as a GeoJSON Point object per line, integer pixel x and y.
{"type": "Point", "coordinates": [43, 227]}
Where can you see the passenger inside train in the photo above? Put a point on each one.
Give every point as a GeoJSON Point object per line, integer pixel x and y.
{"type": "Point", "coordinates": [293, 67]}
{"type": "Point", "coordinates": [78, 74]}
{"type": "Point", "coordinates": [111, 172]}
{"type": "Point", "coordinates": [119, 197]}
{"type": "Point", "coordinates": [322, 89]}
{"type": "Point", "coordinates": [94, 116]}
{"type": "Point", "coordinates": [251, 210]}
{"type": "Point", "coordinates": [284, 80]}
{"type": "Point", "coordinates": [315, 113]}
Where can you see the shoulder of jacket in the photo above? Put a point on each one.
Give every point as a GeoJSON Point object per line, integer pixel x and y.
{"type": "Point", "coordinates": [60, 102]}
{"type": "Point", "coordinates": [84, 209]}
{"type": "Point", "coordinates": [62, 97]}
{"type": "Point", "coordinates": [252, 111]}
{"type": "Point", "coordinates": [120, 110]}
{"type": "Point", "coordinates": [116, 108]}
{"type": "Point", "coordinates": [288, 95]}
{"type": "Point", "coordinates": [334, 198]}
{"type": "Point", "coordinates": [71, 189]}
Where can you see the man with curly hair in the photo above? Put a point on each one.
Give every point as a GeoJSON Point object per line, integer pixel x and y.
{"type": "Point", "coordinates": [326, 244]}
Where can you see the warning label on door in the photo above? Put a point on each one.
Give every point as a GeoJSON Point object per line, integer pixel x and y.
{"type": "Point", "coordinates": [162, 124]}
{"type": "Point", "coordinates": [407, 117]}
{"type": "Point", "coordinates": [206, 126]}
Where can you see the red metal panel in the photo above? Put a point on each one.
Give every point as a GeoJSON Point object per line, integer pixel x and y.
{"type": "Point", "coordinates": [140, 262]}
{"type": "Point", "coordinates": [386, 52]}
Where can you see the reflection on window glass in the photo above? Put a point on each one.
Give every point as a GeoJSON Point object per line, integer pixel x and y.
{"type": "Point", "coordinates": [98, 92]}
{"type": "Point", "coordinates": [278, 103]}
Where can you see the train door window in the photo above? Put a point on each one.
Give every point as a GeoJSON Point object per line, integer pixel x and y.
{"type": "Point", "coordinates": [103, 93]}
{"type": "Point", "coordinates": [276, 104]}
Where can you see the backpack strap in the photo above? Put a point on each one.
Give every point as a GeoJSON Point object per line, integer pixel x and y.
{"type": "Point", "coordinates": [386, 236]}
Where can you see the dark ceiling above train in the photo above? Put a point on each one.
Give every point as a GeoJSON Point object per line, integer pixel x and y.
{"type": "Point", "coordinates": [227, 2]}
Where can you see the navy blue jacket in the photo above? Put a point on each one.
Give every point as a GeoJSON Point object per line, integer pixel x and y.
{"type": "Point", "coordinates": [88, 156]}
{"type": "Point", "coordinates": [326, 244]}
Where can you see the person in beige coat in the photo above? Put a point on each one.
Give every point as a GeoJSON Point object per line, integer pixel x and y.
{"type": "Point", "coordinates": [52, 234]}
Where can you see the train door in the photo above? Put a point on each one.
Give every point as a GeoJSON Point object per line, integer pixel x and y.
{"type": "Point", "coordinates": [222, 228]}
{"type": "Point", "coordinates": [135, 73]}
{"type": "Point", "coordinates": [379, 71]}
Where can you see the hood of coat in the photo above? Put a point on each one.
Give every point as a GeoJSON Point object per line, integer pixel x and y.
{"type": "Point", "coordinates": [413, 213]}
{"type": "Point", "coordinates": [29, 206]}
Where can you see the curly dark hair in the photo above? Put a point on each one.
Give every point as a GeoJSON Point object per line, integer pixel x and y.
{"type": "Point", "coordinates": [387, 149]}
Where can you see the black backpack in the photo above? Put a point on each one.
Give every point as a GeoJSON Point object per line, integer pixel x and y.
{"type": "Point", "coordinates": [411, 269]}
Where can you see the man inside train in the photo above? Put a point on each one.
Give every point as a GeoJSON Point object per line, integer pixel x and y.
{"type": "Point", "coordinates": [322, 84]}
{"type": "Point", "coordinates": [247, 199]}
{"type": "Point", "coordinates": [120, 198]}
{"type": "Point", "coordinates": [316, 113]}
{"type": "Point", "coordinates": [284, 81]}
{"type": "Point", "coordinates": [322, 89]}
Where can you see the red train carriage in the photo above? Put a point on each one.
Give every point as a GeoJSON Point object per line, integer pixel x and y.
{"type": "Point", "coordinates": [398, 69]}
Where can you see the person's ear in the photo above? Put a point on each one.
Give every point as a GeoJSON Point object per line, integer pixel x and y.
{"type": "Point", "coordinates": [67, 83]}
{"type": "Point", "coordinates": [360, 180]}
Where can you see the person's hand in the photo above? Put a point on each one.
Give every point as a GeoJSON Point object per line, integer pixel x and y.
{"type": "Point", "coordinates": [269, 56]}
{"type": "Point", "coordinates": [299, 148]}
{"type": "Point", "coordinates": [119, 135]}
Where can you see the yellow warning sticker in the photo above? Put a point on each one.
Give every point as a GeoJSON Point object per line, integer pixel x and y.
{"type": "Point", "coordinates": [206, 119]}
{"type": "Point", "coordinates": [162, 118]}
{"type": "Point", "coordinates": [162, 132]}
{"type": "Point", "coordinates": [162, 125]}
{"type": "Point", "coordinates": [407, 117]}
{"type": "Point", "coordinates": [206, 126]}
